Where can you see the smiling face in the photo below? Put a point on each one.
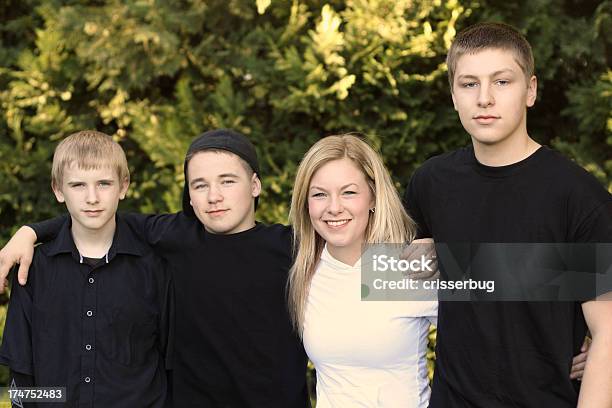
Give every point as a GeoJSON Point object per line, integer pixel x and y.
{"type": "Point", "coordinates": [222, 192]}
{"type": "Point", "coordinates": [91, 197]}
{"type": "Point", "coordinates": [491, 95]}
{"type": "Point", "coordinates": [339, 200]}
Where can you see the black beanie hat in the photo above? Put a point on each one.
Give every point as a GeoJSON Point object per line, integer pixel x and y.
{"type": "Point", "coordinates": [224, 139]}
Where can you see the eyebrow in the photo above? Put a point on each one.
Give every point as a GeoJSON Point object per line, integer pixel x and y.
{"type": "Point", "coordinates": [341, 188]}
{"type": "Point", "coordinates": [224, 175]}
{"type": "Point", "coordinates": [72, 182]}
{"type": "Point", "coordinates": [496, 73]}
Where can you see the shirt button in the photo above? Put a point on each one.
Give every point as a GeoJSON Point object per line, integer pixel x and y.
{"type": "Point", "coordinates": [87, 379]}
{"type": "Point", "coordinates": [89, 313]}
{"type": "Point", "coordinates": [88, 347]}
{"type": "Point", "coordinates": [91, 280]}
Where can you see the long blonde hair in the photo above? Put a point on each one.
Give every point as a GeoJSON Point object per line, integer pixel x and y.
{"type": "Point", "coordinates": [389, 223]}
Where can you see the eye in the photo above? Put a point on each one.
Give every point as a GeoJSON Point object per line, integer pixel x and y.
{"type": "Point", "coordinates": [200, 186]}
{"type": "Point", "coordinates": [349, 192]}
{"type": "Point", "coordinates": [469, 85]}
{"type": "Point", "coordinates": [502, 82]}
{"type": "Point", "coordinates": [318, 195]}
{"type": "Point", "coordinates": [77, 185]}
{"type": "Point", "coordinates": [228, 182]}
{"type": "Point", "coordinates": [105, 184]}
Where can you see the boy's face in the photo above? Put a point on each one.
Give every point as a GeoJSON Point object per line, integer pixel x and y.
{"type": "Point", "coordinates": [491, 95]}
{"type": "Point", "coordinates": [91, 196]}
{"type": "Point", "coordinates": [221, 192]}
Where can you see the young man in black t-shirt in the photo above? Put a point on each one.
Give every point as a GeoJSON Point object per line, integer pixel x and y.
{"type": "Point", "coordinates": [506, 188]}
{"type": "Point", "coordinates": [233, 343]}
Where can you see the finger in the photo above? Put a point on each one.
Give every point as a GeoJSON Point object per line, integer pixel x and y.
{"type": "Point", "coordinates": [577, 374]}
{"type": "Point", "coordinates": [580, 358]}
{"type": "Point", "coordinates": [22, 273]}
{"type": "Point", "coordinates": [409, 252]}
{"type": "Point", "coordinates": [578, 367]}
{"type": "Point", "coordinates": [430, 250]}
{"type": "Point", "coordinates": [424, 275]}
{"type": "Point", "coordinates": [586, 345]}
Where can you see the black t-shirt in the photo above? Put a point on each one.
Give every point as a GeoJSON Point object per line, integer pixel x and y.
{"type": "Point", "coordinates": [99, 328]}
{"type": "Point", "coordinates": [507, 354]}
{"type": "Point", "coordinates": [234, 345]}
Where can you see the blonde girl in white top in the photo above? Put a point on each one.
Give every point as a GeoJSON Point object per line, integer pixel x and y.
{"type": "Point", "coordinates": [366, 354]}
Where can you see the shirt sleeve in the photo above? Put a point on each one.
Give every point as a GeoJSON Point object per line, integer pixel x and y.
{"type": "Point", "coordinates": [590, 221]}
{"type": "Point", "coordinates": [20, 380]}
{"type": "Point", "coordinates": [47, 230]}
{"type": "Point", "coordinates": [413, 202]}
{"type": "Point", "coordinates": [16, 350]}
{"type": "Point", "coordinates": [152, 228]}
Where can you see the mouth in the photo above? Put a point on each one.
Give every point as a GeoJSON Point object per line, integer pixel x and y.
{"type": "Point", "coordinates": [92, 213]}
{"type": "Point", "coordinates": [216, 213]}
{"type": "Point", "coordinates": [485, 119]}
{"type": "Point", "coordinates": [336, 223]}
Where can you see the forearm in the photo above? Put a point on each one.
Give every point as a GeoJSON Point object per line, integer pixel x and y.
{"type": "Point", "coordinates": [596, 389]}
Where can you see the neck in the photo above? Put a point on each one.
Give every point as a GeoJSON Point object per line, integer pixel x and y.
{"type": "Point", "coordinates": [510, 150]}
{"type": "Point", "coordinates": [93, 243]}
{"type": "Point", "coordinates": [347, 255]}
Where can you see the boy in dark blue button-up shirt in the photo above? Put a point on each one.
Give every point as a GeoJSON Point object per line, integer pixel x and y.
{"type": "Point", "coordinates": [93, 320]}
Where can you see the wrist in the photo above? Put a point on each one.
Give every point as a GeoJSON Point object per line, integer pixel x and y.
{"type": "Point", "coordinates": [28, 233]}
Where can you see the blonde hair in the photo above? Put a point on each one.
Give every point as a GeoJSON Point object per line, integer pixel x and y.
{"type": "Point", "coordinates": [389, 223]}
{"type": "Point", "coordinates": [88, 149]}
{"type": "Point", "coordinates": [488, 35]}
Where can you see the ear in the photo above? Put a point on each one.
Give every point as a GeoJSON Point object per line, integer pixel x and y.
{"type": "Point", "coordinates": [532, 91]}
{"type": "Point", "coordinates": [124, 187]}
{"type": "Point", "coordinates": [59, 196]}
{"type": "Point", "coordinates": [255, 185]}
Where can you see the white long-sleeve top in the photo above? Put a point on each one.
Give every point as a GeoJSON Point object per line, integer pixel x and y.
{"type": "Point", "coordinates": [366, 353]}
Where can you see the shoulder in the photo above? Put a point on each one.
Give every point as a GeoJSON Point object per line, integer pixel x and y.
{"type": "Point", "coordinates": [278, 230]}
{"type": "Point", "coordinates": [274, 236]}
{"type": "Point", "coordinates": [575, 179]}
{"type": "Point", "coordinates": [445, 162]}
{"type": "Point", "coordinates": [274, 232]}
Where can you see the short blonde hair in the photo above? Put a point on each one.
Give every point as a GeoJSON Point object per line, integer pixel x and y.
{"type": "Point", "coordinates": [489, 35]}
{"type": "Point", "coordinates": [88, 149]}
{"type": "Point", "coordinates": [389, 223]}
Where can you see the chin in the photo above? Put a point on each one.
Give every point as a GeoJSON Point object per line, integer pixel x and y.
{"type": "Point", "coordinates": [488, 140]}
{"type": "Point", "coordinates": [218, 228]}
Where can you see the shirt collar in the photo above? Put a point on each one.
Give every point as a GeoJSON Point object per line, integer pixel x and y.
{"type": "Point", "coordinates": [124, 242]}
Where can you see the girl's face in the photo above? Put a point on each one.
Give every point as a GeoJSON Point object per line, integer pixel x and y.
{"type": "Point", "coordinates": [339, 203]}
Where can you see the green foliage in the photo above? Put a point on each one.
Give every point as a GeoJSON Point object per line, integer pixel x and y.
{"type": "Point", "coordinates": [156, 73]}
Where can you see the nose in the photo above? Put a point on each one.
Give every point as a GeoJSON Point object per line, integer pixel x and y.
{"type": "Point", "coordinates": [485, 96]}
{"type": "Point", "coordinates": [214, 194]}
{"type": "Point", "coordinates": [92, 195]}
{"type": "Point", "coordinates": [335, 205]}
